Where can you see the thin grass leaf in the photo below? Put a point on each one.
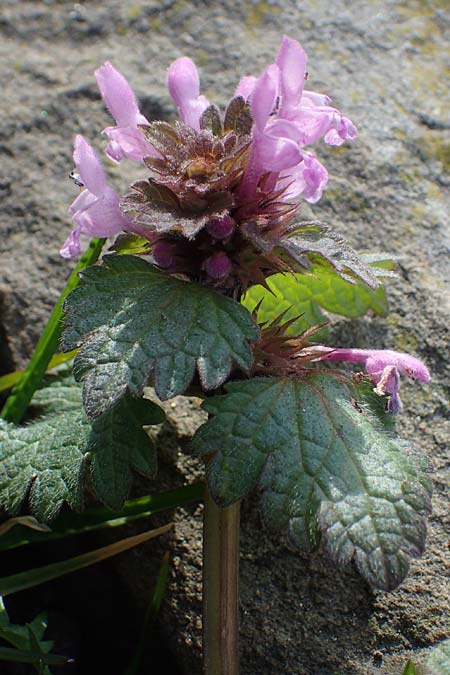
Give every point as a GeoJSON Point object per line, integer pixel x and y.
{"type": "Point", "coordinates": [410, 669]}
{"type": "Point", "coordinates": [150, 615]}
{"type": "Point", "coordinates": [22, 393]}
{"type": "Point", "coordinates": [71, 523]}
{"type": "Point", "coordinates": [9, 380]}
{"type": "Point", "coordinates": [40, 575]}
{"type": "Point", "coordinates": [19, 656]}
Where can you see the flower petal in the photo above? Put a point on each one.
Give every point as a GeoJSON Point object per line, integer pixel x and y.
{"type": "Point", "coordinates": [71, 246]}
{"type": "Point", "coordinates": [89, 167]}
{"type": "Point", "coordinates": [127, 142]}
{"type": "Point", "coordinates": [291, 61]}
{"type": "Point", "coordinates": [315, 176]}
{"type": "Point", "coordinates": [183, 81]}
{"type": "Point", "coordinates": [118, 96]}
{"type": "Point", "coordinates": [246, 86]}
{"type": "Point", "coordinates": [265, 96]}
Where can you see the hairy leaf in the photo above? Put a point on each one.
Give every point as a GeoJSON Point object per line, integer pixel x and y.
{"type": "Point", "coordinates": [155, 208]}
{"type": "Point", "coordinates": [302, 296]}
{"type": "Point", "coordinates": [439, 659]}
{"type": "Point", "coordinates": [118, 444]}
{"type": "Point", "coordinates": [210, 119]}
{"type": "Point", "coordinates": [238, 116]}
{"type": "Point", "coordinates": [323, 462]}
{"type": "Point", "coordinates": [310, 239]}
{"type": "Point", "coordinates": [131, 320]}
{"type": "Point", "coordinates": [44, 462]}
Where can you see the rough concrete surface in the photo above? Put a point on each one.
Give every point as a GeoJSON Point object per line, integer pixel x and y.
{"type": "Point", "coordinates": [385, 63]}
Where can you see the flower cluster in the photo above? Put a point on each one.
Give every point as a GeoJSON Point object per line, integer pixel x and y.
{"type": "Point", "coordinates": [214, 179]}
{"type": "Point", "coordinates": [217, 203]}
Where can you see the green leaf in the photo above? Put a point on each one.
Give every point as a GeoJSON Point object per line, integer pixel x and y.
{"type": "Point", "coordinates": [323, 463]}
{"type": "Point", "coordinates": [308, 241]}
{"type": "Point", "coordinates": [439, 659]}
{"type": "Point", "coordinates": [20, 656]}
{"type": "Point", "coordinates": [119, 444]}
{"type": "Point", "coordinates": [150, 617]}
{"type": "Point", "coordinates": [131, 244]}
{"type": "Point", "coordinates": [131, 320]}
{"type": "Point", "coordinates": [302, 295]}
{"type": "Point", "coordinates": [40, 575]}
{"type": "Point", "coordinates": [410, 669]}
{"type": "Point", "coordinates": [45, 461]}
{"type": "Point", "coordinates": [70, 523]}
{"type": "Point", "coordinates": [18, 400]}
{"type": "Point", "coordinates": [28, 642]}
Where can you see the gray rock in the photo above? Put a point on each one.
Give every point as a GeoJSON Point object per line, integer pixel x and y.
{"type": "Point", "coordinates": [384, 64]}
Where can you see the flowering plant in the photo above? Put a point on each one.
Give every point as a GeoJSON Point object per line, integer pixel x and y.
{"type": "Point", "coordinates": [215, 284]}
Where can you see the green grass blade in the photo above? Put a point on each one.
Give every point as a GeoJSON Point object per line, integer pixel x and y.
{"type": "Point", "coordinates": [40, 575]}
{"type": "Point", "coordinates": [19, 656]}
{"type": "Point", "coordinates": [71, 523]}
{"type": "Point", "coordinates": [22, 393]}
{"type": "Point", "coordinates": [9, 380]}
{"type": "Point", "coordinates": [410, 669]}
{"type": "Point", "coordinates": [150, 615]}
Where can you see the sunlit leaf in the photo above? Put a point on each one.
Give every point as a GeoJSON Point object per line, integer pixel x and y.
{"type": "Point", "coordinates": [44, 463]}
{"type": "Point", "coordinates": [304, 295]}
{"type": "Point", "coordinates": [132, 320]}
{"type": "Point", "coordinates": [324, 464]}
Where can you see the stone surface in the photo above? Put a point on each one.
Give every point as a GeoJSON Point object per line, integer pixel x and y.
{"type": "Point", "coordinates": [385, 65]}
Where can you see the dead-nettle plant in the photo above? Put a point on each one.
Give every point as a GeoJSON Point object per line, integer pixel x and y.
{"type": "Point", "coordinates": [215, 286]}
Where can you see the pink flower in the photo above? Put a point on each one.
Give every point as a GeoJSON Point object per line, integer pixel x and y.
{"type": "Point", "coordinates": [309, 111]}
{"type": "Point", "coordinates": [274, 146]}
{"type": "Point", "coordinates": [308, 178]}
{"type": "Point", "coordinates": [287, 115]}
{"type": "Point", "coordinates": [384, 368]}
{"type": "Point", "coordinates": [184, 87]}
{"type": "Point", "coordinates": [96, 210]}
{"type": "Point", "coordinates": [126, 140]}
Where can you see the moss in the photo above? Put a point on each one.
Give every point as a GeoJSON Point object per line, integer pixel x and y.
{"type": "Point", "coordinates": [435, 146]}
{"type": "Point", "coordinates": [406, 342]}
{"type": "Point", "coordinates": [155, 25]}
{"type": "Point", "coordinates": [134, 12]}
{"type": "Point", "coordinates": [258, 14]}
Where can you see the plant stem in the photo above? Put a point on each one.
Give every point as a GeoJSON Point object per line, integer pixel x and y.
{"type": "Point", "coordinates": [220, 589]}
{"type": "Point", "coordinates": [17, 403]}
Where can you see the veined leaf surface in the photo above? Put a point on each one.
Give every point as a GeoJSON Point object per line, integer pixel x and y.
{"type": "Point", "coordinates": [324, 465]}
{"type": "Point", "coordinates": [130, 320]}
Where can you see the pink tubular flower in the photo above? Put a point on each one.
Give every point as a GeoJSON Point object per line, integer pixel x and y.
{"type": "Point", "coordinates": [96, 210]}
{"type": "Point", "coordinates": [286, 115]}
{"type": "Point", "coordinates": [309, 111]}
{"type": "Point", "coordinates": [126, 140]}
{"type": "Point", "coordinates": [184, 87]}
{"type": "Point", "coordinates": [384, 368]}
{"type": "Point", "coordinates": [274, 146]}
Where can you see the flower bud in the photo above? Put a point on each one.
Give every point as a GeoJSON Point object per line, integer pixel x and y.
{"type": "Point", "coordinates": [218, 266]}
{"type": "Point", "coordinates": [164, 254]}
{"type": "Point", "coordinates": [220, 228]}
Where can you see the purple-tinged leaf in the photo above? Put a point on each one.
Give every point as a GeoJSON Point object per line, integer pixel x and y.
{"type": "Point", "coordinates": [324, 464]}
{"type": "Point", "coordinates": [238, 117]}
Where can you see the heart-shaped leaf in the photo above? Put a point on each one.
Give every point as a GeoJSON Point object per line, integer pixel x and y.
{"type": "Point", "coordinates": [324, 464]}
{"type": "Point", "coordinates": [130, 320]}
